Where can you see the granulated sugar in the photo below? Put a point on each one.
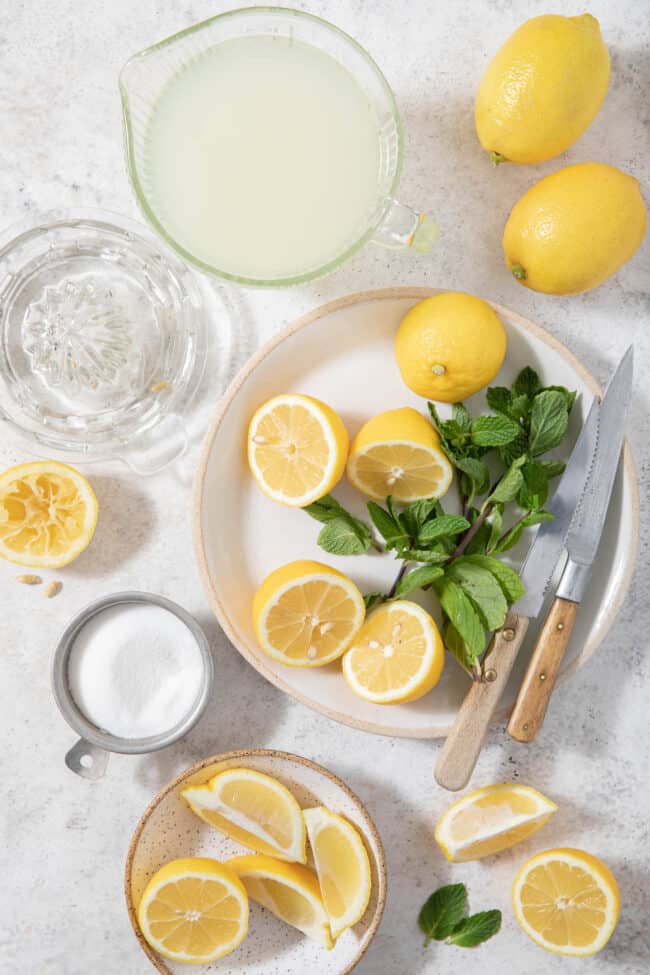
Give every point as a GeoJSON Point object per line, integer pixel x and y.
{"type": "Point", "coordinates": [135, 670]}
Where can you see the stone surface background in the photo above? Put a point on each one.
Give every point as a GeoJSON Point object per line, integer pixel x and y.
{"type": "Point", "coordinates": [63, 840]}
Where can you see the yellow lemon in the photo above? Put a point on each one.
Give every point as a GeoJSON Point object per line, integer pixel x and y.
{"type": "Point", "coordinates": [575, 228]}
{"type": "Point", "coordinates": [253, 809]}
{"type": "Point", "coordinates": [542, 89]}
{"type": "Point", "coordinates": [48, 513]}
{"type": "Point", "coordinates": [567, 901]}
{"type": "Point", "coordinates": [194, 910]}
{"type": "Point", "coordinates": [297, 449]}
{"type": "Point", "coordinates": [449, 346]}
{"type": "Point", "coordinates": [491, 819]}
{"type": "Point", "coordinates": [396, 656]}
{"type": "Point", "coordinates": [288, 890]}
{"type": "Point", "coordinates": [306, 614]}
{"type": "Point", "coordinates": [399, 453]}
{"type": "Point", "coordinates": [342, 866]}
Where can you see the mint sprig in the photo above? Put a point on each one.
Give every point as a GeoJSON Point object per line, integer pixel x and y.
{"type": "Point", "coordinates": [503, 480]}
{"type": "Point", "coordinates": [443, 917]}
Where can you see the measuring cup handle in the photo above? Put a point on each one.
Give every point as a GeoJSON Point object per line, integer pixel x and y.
{"type": "Point", "coordinates": [87, 760]}
{"type": "Point", "coordinates": [404, 227]}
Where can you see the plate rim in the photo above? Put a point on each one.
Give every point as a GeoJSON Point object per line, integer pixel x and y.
{"type": "Point", "coordinates": [242, 753]}
{"type": "Point", "coordinates": [321, 311]}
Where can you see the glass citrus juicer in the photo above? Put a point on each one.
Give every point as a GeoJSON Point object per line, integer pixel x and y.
{"type": "Point", "coordinates": [265, 146]}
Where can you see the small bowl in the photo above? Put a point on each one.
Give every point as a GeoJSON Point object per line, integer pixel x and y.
{"type": "Point", "coordinates": [88, 757]}
{"type": "Point", "coordinates": [169, 829]}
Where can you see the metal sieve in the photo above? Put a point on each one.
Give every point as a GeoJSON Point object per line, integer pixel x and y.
{"type": "Point", "coordinates": [89, 756]}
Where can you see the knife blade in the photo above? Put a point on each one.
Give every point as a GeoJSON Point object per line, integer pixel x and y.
{"type": "Point", "coordinates": [582, 542]}
{"type": "Point", "coordinates": [462, 747]}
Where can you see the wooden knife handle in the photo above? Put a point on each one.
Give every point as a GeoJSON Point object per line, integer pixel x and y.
{"type": "Point", "coordinates": [461, 750]}
{"type": "Point", "coordinates": [535, 692]}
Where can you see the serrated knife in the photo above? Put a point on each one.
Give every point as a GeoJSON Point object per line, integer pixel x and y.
{"type": "Point", "coordinates": [462, 747]}
{"type": "Point", "coordinates": [582, 544]}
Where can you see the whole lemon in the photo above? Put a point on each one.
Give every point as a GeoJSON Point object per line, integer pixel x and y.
{"type": "Point", "coordinates": [575, 228]}
{"type": "Point", "coordinates": [542, 89]}
{"type": "Point", "coordinates": [449, 346]}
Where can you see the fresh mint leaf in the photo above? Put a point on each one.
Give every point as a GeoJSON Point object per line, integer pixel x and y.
{"type": "Point", "coordinates": [508, 487]}
{"type": "Point", "coordinates": [440, 428]}
{"type": "Point", "coordinates": [510, 539]}
{"type": "Point", "coordinates": [460, 610]}
{"type": "Point", "coordinates": [549, 419]}
{"type": "Point", "coordinates": [430, 555]}
{"type": "Point", "coordinates": [483, 589]}
{"type": "Point", "coordinates": [534, 490]}
{"type": "Point", "coordinates": [345, 536]}
{"type": "Point", "coordinates": [569, 395]}
{"type": "Point", "coordinates": [475, 476]}
{"type": "Point", "coordinates": [442, 527]}
{"type": "Point", "coordinates": [371, 599]}
{"type": "Point", "coordinates": [442, 912]}
{"type": "Point", "coordinates": [499, 399]}
{"type": "Point", "coordinates": [472, 931]}
{"type": "Point", "coordinates": [536, 518]}
{"type": "Point", "coordinates": [325, 509]}
{"type": "Point", "coordinates": [461, 416]}
{"type": "Point", "coordinates": [388, 527]}
{"type": "Point", "coordinates": [423, 509]}
{"type": "Point", "coordinates": [527, 383]}
{"type": "Point", "coordinates": [507, 578]}
{"type": "Point", "coordinates": [496, 527]}
{"type": "Point", "coordinates": [494, 431]}
{"type": "Point", "coordinates": [553, 468]}
{"type": "Point", "coordinates": [519, 407]}
{"type": "Point", "coordinates": [456, 645]}
{"type": "Point", "coordinates": [513, 451]}
{"type": "Point", "coordinates": [418, 579]}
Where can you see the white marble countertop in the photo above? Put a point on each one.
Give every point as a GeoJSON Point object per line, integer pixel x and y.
{"type": "Point", "coordinates": [64, 839]}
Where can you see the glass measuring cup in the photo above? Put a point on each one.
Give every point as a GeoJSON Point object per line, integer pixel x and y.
{"type": "Point", "coordinates": [159, 75]}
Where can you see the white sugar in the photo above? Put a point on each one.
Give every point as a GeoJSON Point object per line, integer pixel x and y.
{"type": "Point", "coordinates": [135, 670]}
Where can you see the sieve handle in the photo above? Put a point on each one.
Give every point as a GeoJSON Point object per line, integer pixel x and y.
{"type": "Point", "coordinates": [87, 760]}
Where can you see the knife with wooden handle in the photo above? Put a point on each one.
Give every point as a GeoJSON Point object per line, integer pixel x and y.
{"type": "Point", "coordinates": [461, 750]}
{"type": "Point", "coordinates": [583, 539]}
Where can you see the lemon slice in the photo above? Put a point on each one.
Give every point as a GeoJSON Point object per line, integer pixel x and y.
{"type": "Point", "coordinates": [342, 866]}
{"type": "Point", "coordinates": [396, 656]}
{"type": "Point", "coordinates": [567, 901]}
{"type": "Point", "coordinates": [253, 809]}
{"type": "Point", "coordinates": [288, 890]}
{"type": "Point", "coordinates": [297, 448]}
{"type": "Point", "coordinates": [48, 513]}
{"type": "Point", "coordinates": [399, 453]}
{"type": "Point", "coordinates": [306, 614]}
{"type": "Point", "coordinates": [194, 910]}
{"type": "Point", "coordinates": [491, 819]}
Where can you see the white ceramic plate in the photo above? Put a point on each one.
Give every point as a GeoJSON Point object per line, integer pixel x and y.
{"type": "Point", "coordinates": [169, 829]}
{"type": "Point", "coordinates": [342, 353]}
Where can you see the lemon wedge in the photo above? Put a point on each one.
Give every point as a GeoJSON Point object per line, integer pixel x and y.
{"type": "Point", "coordinates": [48, 513]}
{"type": "Point", "coordinates": [491, 819]}
{"type": "Point", "coordinates": [306, 614]}
{"type": "Point", "coordinates": [194, 910]}
{"type": "Point", "coordinates": [297, 449]}
{"type": "Point", "coordinates": [399, 453]}
{"type": "Point", "coordinates": [567, 901]}
{"type": "Point", "coordinates": [288, 890]}
{"type": "Point", "coordinates": [342, 866]}
{"type": "Point", "coordinates": [253, 809]}
{"type": "Point", "coordinates": [396, 656]}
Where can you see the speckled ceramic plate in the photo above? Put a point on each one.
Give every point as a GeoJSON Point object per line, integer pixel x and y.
{"type": "Point", "coordinates": [169, 829]}
{"type": "Point", "coordinates": [342, 353]}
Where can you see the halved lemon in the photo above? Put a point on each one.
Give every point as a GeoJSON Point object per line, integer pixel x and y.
{"type": "Point", "coordinates": [399, 453]}
{"type": "Point", "coordinates": [306, 614]}
{"type": "Point", "coordinates": [342, 866]}
{"type": "Point", "coordinates": [297, 449]}
{"type": "Point", "coordinates": [396, 656]}
{"type": "Point", "coordinates": [253, 809]}
{"type": "Point", "coordinates": [194, 910]}
{"type": "Point", "coordinates": [288, 890]}
{"type": "Point", "coordinates": [491, 819]}
{"type": "Point", "coordinates": [48, 513]}
{"type": "Point", "coordinates": [567, 901]}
